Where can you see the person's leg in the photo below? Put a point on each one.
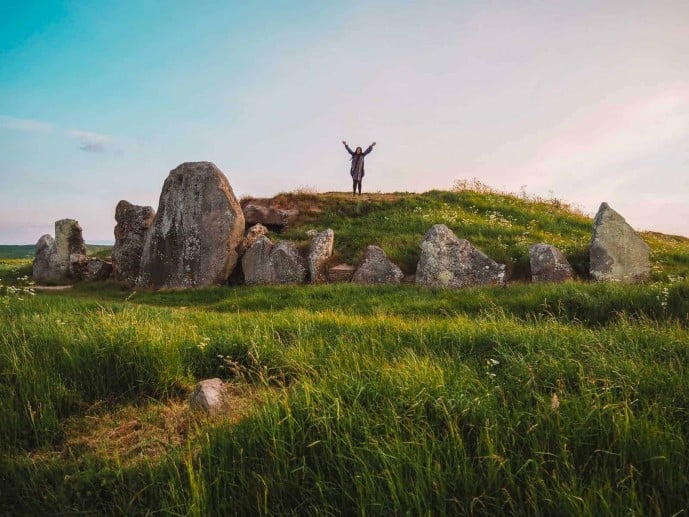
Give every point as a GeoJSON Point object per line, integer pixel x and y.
{"type": "Point", "coordinates": [353, 186]}
{"type": "Point", "coordinates": [360, 186]}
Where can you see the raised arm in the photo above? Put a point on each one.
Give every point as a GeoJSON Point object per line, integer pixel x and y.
{"type": "Point", "coordinates": [347, 147]}
{"type": "Point", "coordinates": [370, 148]}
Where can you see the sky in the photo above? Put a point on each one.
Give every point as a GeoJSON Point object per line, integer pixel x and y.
{"type": "Point", "coordinates": [585, 101]}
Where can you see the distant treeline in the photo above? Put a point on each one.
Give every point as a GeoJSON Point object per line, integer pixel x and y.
{"type": "Point", "coordinates": [18, 251]}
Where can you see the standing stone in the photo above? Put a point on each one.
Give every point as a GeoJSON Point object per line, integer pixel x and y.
{"type": "Point", "coordinates": [376, 268]}
{"type": "Point", "coordinates": [130, 234]}
{"type": "Point", "coordinates": [52, 258]}
{"type": "Point", "coordinates": [256, 262]}
{"type": "Point", "coordinates": [320, 250]}
{"type": "Point", "coordinates": [193, 239]}
{"type": "Point", "coordinates": [341, 273]}
{"type": "Point", "coordinates": [617, 253]}
{"type": "Point", "coordinates": [287, 264]}
{"type": "Point", "coordinates": [210, 396]}
{"type": "Point", "coordinates": [252, 235]}
{"type": "Point", "coordinates": [548, 264]}
{"type": "Point", "coordinates": [447, 261]}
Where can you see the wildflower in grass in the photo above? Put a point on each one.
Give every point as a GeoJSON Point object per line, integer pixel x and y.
{"type": "Point", "coordinates": [555, 402]}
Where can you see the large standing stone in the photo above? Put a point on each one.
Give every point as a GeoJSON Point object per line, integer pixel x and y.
{"type": "Point", "coordinates": [256, 262]}
{"type": "Point", "coordinates": [320, 250]}
{"type": "Point", "coordinates": [447, 261]}
{"type": "Point", "coordinates": [376, 268]}
{"type": "Point", "coordinates": [548, 264]}
{"type": "Point", "coordinates": [287, 264]}
{"type": "Point", "coordinates": [52, 258]}
{"type": "Point", "coordinates": [194, 236]}
{"type": "Point", "coordinates": [617, 253]}
{"type": "Point", "coordinates": [130, 234]}
{"type": "Point", "coordinates": [210, 396]}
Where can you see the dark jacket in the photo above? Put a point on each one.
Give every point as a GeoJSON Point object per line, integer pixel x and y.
{"type": "Point", "coordinates": [357, 169]}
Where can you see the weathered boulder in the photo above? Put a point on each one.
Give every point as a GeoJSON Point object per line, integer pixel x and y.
{"type": "Point", "coordinates": [377, 268]}
{"type": "Point", "coordinates": [548, 264]}
{"type": "Point", "coordinates": [51, 261]}
{"type": "Point", "coordinates": [268, 216]}
{"type": "Point", "coordinates": [133, 222]}
{"type": "Point", "coordinates": [256, 262]}
{"type": "Point", "coordinates": [617, 253]}
{"type": "Point", "coordinates": [252, 235]}
{"type": "Point", "coordinates": [193, 239]}
{"type": "Point", "coordinates": [210, 396]}
{"type": "Point", "coordinates": [341, 273]}
{"type": "Point", "coordinates": [320, 250]}
{"type": "Point", "coordinates": [287, 264]}
{"type": "Point", "coordinates": [447, 261]}
{"type": "Point", "coordinates": [89, 268]}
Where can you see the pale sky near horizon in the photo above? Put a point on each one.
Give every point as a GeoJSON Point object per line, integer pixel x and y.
{"type": "Point", "coordinates": [586, 101]}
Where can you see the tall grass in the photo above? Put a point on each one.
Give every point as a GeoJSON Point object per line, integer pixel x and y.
{"type": "Point", "coordinates": [378, 401]}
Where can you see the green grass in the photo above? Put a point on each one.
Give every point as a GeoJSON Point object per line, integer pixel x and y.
{"type": "Point", "coordinates": [566, 399]}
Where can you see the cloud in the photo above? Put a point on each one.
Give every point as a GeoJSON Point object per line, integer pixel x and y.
{"type": "Point", "coordinates": [25, 124]}
{"type": "Point", "coordinates": [89, 141]}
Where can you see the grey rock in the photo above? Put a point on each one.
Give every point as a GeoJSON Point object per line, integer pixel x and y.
{"type": "Point", "coordinates": [617, 253]}
{"type": "Point", "coordinates": [193, 239]}
{"type": "Point", "coordinates": [311, 233]}
{"type": "Point", "coordinates": [256, 262]}
{"type": "Point", "coordinates": [320, 250]}
{"type": "Point", "coordinates": [252, 235]}
{"type": "Point", "coordinates": [268, 216]}
{"type": "Point", "coordinates": [341, 273]}
{"type": "Point", "coordinates": [89, 268]}
{"type": "Point", "coordinates": [287, 264]}
{"type": "Point", "coordinates": [133, 222]}
{"type": "Point", "coordinates": [51, 261]}
{"type": "Point", "coordinates": [447, 261]}
{"type": "Point", "coordinates": [210, 396]}
{"type": "Point", "coordinates": [377, 268]}
{"type": "Point", "coordinates": [548, 264]}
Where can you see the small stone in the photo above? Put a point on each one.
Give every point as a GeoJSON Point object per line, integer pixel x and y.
{"type": "Point", "coordinates": [269, 216]}
{"type": "Point", "coordinates": [377, 268]}
{"type": "Point", "coordinates": [341, 273]}
{"type": "Point", "coordinates": [320, 251]}
{"type": "Point", "coordinates": [287, 264]}
{"type": "Point", "coordinates": [252, 235]}
{"type": "Point", "coordinates": [209, 396]}
{"type": "Point", "coordinates": [548, 264]}
{"type": "Point", "coordinates": [89, 269]}
{"type": "Point", "coordinates": [256, 262]}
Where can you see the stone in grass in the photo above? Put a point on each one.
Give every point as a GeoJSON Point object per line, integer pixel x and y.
{"type": "Point", "coordinates": [287, 264]}
{"type": "Point", "coordinates": [210, 396]}
{"type": "Point", "coordinates": [617, 252]}
{"type": "Point", "coordinates": [320, 250]}
{"type": "Point", "coordinates": [377, 268]}
{"type": "Point", "coordinates": [256, 262]}
{"type": "Point", "coordinates": [341, 273]}
{"type": "Point", "coordinates": [548, 264]}
{"type": "Point", "coordinates": [449, 262]}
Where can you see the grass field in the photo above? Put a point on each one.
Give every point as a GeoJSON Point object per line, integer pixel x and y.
{"type": "Point", "coordinates": [566, 399]}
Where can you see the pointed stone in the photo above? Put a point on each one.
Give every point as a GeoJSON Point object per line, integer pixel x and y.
{"type": "Point", "coordinates": [377, 268]}
{"type": "Point", "coordinates": [320, 251]}
{"type": "Point", "coordinates": [617, 253]}
{"type": "Point", "coordinates": [133, 222]}
{"type": "Point", "coordinates": [548, 264]}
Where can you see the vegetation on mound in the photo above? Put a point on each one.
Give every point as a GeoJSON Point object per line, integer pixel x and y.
{"type": "Point", "coordinates": [26, 251]}
{"type": "Point", "coordinates": [501, 224]}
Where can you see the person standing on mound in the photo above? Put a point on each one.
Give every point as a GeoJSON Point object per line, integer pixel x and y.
{"type": "Point", "coordinates": [357, 170]}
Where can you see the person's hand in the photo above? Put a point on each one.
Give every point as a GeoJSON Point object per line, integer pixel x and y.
{"type": "Point", "coordinates": [345, 143]}
{"type": "Point", "coordinates": [373, 144]}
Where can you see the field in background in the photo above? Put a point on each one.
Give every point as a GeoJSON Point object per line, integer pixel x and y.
{"type": "Point", "coordinates": [542, 399]}
{"type": "Point", "coordinates": [26, 251]}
